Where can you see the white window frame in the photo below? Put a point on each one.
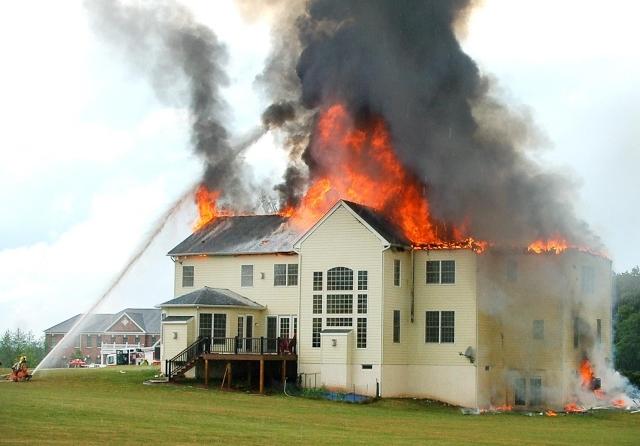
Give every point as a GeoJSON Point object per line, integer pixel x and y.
{"type": "Point", "coordinates": [398, 263]}
{"type": "Point", "coordinates": [243, 275]}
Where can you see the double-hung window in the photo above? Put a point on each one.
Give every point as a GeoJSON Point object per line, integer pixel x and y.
{"type": "Point", "coordinates": [246, 275]}
{"type": "Point", "coordinates": [187, 276]}
{"type": "Point", "coordinates": [285, 274]}
{"type": "Point", "coordinates": [440, 327]}
{"type": "Point", "coordinates": [441, 271]}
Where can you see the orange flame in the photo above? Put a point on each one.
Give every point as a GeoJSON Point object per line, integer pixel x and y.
{"type": "Point", "coordinates": [586, 374]}
{"type": "Point", "coordinates": [550, 413]}
{"type": "Point", "coordinates": [360, 164]}
{"type": "Point", "coordinates": [206, 201]}
{"type": "Point", "coordinates": [547, 246]}
{"type": "Point", "coordinates": [573, 408]}
{"type": "Point", "coordinates": [619, 403]}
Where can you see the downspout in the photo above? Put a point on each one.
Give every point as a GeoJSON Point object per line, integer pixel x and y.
{"type": "Point", "coordinates": [379, 380]}
{"type": "Point", "coordinates": [413, 284]}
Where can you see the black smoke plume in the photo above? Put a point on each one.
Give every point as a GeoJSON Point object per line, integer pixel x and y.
{"type": "Point", "coordinates": [403, 62]}
{"type": "Point", "coordinates": [184, 61]}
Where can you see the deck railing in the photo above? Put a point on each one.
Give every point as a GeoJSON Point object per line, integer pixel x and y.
{"type": "Point", "coordinates": [236, 345]}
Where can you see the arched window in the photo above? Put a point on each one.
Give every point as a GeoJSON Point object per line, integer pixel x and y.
{"type": "Point", "coordinates": [340, 278]}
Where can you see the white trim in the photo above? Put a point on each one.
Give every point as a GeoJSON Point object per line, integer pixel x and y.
{"type": "Point", "coordinates": [260, 308]}
{"type": "Point", "coordinates": [119, 319]}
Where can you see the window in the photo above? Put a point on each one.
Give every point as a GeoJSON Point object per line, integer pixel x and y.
{"type": "Point", "coordinates": [362, 304]}
{"type": "Point", "coordinates": [433, 271]}
{"type": "Point", "coordinates": [317, 281]}
{"type": "Point", "coordinates": [153, 339]}
{"type": "Point", "coordinates": [538, 329]}
{"type": "Point", "coordinates": [339, 303]}
{"type": "Point", "coordinates": [433, 327]}
{"type": "Point", "coordinates": [246, 275]}
{"type": "Point", "coordinates": [317, 304]}
{"type": "Point", "coordinates": [448, 268]}
{"type": "Point", "coordinates": [512, 270]}
{"type": "Point", "coordinates": [447, 326]}
{"type": "Point", "coordinates": [361, 333]}
{"type": "Point", "coordinates": [125, 339]}
{"type": "Point", "coordinates": [292, 274]}
{"type": "Point", "coordinates": [367, 366]}
{"type": "Point", "coordinates": [240, 326]}
{"type": "Point", "coordinates": [88, 340]}
{"type": "Point", "coordinates": [315, 332]}
{"type": "Point", "coordinates": [396, 272]}
{"type": "Point", "coordinates": [206, 325]}
{"type": "Point", "coordinates": [441, 271]}
{"type": "Point", "coordinates": [440, 327]}
{"type": "Point", "coordinates": [396, 326]}
{"type": "Point", "coordinates": [339, 278]}
{"type": "Point", "coordinates": [113, 339]}
{"type": "Point", "coordinates": [99, 341]}
{"type": "Point", "coordinates": [137, 341]}
{"type": "Point", "coordinates": [187, 276]}
{"type": "Point", "coordinates": [284, 327]}
{"type": "Point", "coordinates": [295, 326]}
{"type": "Point", "coordinates": [219, 328]}
{"type": "Point", "coordinates": [284, 274]}
{"type": "Point", "coordinates": [535, 389]}
{"type": "Point", "coordinates": [339, 322]}
{"type": "Point", "coordinates": [599, 330]}
{"type": "Point", "coordinates": [279, 274]}
{"type": "Point", "coordinates": [362, 280]}
{"type": "Point", "coordinates": [519, 391]}
{"type": "Point", "coordinates": [587, 280]}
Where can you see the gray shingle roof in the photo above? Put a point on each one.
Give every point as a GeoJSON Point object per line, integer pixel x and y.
{"type": "Point", "coordinates": [147, 318]}
{"type": "Point", "coordinates": [177, 318]}
{"type": "Point", "coordinates": [248, 234]}
{"type": "Point", "coordinates": [214, 297]}
{"type": "Point", "coordinates": [387, 229]}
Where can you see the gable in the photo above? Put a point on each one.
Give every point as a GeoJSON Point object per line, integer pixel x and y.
{"type": "Point", "coordinates": [124, 324]}
{"type": "Point", "coordinates": [339, 230]}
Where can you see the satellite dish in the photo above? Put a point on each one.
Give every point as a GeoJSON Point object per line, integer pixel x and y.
{"type": "Point", "coordinates": [469, 354]}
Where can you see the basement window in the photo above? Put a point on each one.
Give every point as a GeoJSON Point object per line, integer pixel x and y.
{"type": "Point", "coordinates": [367, 366]}
{"type": "Point", "coordinates": [246, 275]}
{"type": "Point", "coordinates": [187, 276]}
{"type": "Point", "coordinates": [538, 329]}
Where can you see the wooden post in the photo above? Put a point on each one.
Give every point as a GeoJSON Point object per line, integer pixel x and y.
{"type": "Point", "coordinates": [261, 375]}
{"type": "Point", "coordinates": [206, 373]}
{"type": "Point", "coordinates": [284, 370]}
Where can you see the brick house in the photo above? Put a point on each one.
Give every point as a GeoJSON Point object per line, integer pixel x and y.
{"type": "Point", "coordinates": [132, 330]}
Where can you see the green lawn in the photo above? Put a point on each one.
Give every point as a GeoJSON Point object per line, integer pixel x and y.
{"type": "Point", "coordinates": [104, 406]}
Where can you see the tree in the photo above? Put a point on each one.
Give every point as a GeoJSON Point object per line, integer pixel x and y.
{"type": "Point", "coordinates": [14, 344]}
{"type": "Point", "coordinates": [627, 324]}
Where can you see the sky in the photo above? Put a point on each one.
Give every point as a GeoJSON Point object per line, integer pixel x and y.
{"type": "Point", "coordinates": [90, 159]}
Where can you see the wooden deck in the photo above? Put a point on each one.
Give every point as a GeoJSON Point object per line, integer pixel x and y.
{"type": "Point", "coordinates": [260, 358]}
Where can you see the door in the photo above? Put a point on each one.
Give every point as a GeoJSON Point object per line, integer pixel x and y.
{"type": "Point", "coordinates": [272, 333]}
{"type": "Point", "coordinates": [249, 332]}
{"type": "Point", "coordinates": [240, 333]}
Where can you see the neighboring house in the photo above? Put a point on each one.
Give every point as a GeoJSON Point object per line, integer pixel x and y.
{"type": "Point", "coordinates": [132, 330]}
{"type": "Point", "coordinates": [373, 315]}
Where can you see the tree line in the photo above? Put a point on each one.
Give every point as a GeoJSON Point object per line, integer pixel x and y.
{"type": "Point", "coordinates": [626, 320]}
{"type": "Point", "coordinates": [15, 343]}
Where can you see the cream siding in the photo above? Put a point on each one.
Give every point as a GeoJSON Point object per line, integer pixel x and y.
{"type": "Point", "coordinates": [342, 240]}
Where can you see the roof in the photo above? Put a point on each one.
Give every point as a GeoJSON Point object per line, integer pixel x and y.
{"type": "Point", "coordinates": [213, 297]}
{"type": "Point", "coordinates": [246, 234]}
{"type": "Point", "coordinates": [379, 223]}
{"type": "Point", "coordinates": [177, 318]}
{"type": "Point", "coordinates": [147, 318]}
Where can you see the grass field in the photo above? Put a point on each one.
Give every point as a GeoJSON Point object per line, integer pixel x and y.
{"type": "Point", "coordinates": [105, 406]}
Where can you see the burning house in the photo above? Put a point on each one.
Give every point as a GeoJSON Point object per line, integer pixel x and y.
{"type": "Point", "coordinates": [374, 314]}
{"type": "Point", "coordinates": [415, 247]}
